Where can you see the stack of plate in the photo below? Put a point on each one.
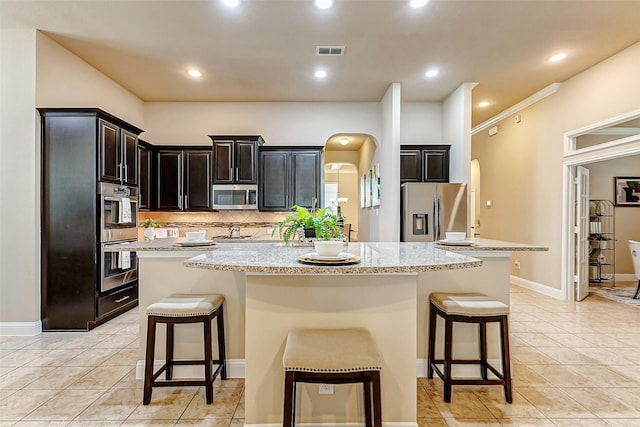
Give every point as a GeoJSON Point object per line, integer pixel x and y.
{"type": "Point", "coordinates": [342, 258]}
{"type": "Point", "coordinates": [203, 242]}
{"type": "Point", "coordinates": [456, 242]}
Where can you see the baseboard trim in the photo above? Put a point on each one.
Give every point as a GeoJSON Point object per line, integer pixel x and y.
{"type": "Point", "coordinates": [20, 329]}
{"type": "Point", "coordinates": [385, 424]}
{"type": "Point", "coordinates": [537, 287]}
{"type": "Point", "coordinates": [625, 277]}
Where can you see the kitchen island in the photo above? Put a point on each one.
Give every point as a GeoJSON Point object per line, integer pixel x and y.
{"type": "Point", "coordinates": [268, 292]}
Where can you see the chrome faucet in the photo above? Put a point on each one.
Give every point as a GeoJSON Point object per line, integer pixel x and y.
{"type": "Point", "coordinates": [234, 232]}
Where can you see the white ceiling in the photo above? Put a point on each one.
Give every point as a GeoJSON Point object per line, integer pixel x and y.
{"type": "Point", "coordinates": [264, 50]}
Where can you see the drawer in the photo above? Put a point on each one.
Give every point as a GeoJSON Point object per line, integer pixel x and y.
{"type": "Point", "coordinates": [124, 298]}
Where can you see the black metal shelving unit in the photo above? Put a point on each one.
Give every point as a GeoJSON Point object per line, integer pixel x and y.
{"type": "Point", "coordinates": [602, 242]}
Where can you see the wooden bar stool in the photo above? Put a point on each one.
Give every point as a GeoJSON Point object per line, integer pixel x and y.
{"type": "Point", "coordinates": [468, 308]}
{"type": "Point", "coordinates": [333, 356]}
{"type": "Point", "coordinates": [180, 309]}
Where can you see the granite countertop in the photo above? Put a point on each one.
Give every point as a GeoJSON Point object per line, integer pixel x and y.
{"type": "Point", "coordinates": [395, 258]}
{"type": "Point", "coordinates": [489, 245]}
{"type": "Point", "coordinates": [269, 256]}
{"type": "Point", "coordinates": [174, 245]}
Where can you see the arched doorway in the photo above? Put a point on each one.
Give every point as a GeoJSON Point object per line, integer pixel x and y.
{"type": "Point", "coordinates": [346, 156]}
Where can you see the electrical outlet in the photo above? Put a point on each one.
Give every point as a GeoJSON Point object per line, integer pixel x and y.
{"type": "Point", "coordinates": [325, 389]}
{"type": "Point", "coordinates": [517, 263]}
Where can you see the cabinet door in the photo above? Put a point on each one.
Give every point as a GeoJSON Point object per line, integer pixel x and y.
{"type": "Point", "coordinates": [245, 162]}
{"type": "Point", "coordinates": [305, 177]}
{"type": "Point", "coordinates": [410, 166]}
{"type": "Point", "coordinates": [223, 169]}
{"type": "Point", "coordinates": [197, 180]}
{"type": "Point", "coordinates": [274, 180]}
{"type": "Point", "coordinates": [129, 157]}
{"type": "Point", "coordinates": [145, 162]}
{"type": "Point", "coordinates": [110, 151]}
{"type": "Point", "coordinates": [436, 165]}
{"type": "Point", "coordinates": [170, 180]}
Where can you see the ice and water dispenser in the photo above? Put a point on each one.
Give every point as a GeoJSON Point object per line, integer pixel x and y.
{"type": "Point", "coordinates": [420, 224]}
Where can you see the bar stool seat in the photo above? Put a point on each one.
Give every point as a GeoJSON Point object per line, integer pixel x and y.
{"type": "Point", "coordinates": [183, 309]}
{"type": "Point", "coordinates": [333, 356]}
{"type": "Point", "coordinates": [473, 307]}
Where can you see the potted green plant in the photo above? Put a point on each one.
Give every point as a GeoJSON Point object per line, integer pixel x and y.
{"type": "Point", "coordinates": [323, 222]}
{"type": "Point", "coordinates": [149, 225]}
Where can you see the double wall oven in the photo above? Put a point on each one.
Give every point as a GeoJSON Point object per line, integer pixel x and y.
{"type": "Point", "coordinates": [118, 225]}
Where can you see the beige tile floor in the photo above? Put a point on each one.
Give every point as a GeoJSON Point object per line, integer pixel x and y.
{"type": "Point", "coordinates": [574, 364]}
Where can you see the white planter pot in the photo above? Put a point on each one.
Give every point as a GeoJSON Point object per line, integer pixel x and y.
{"type": "Point", "coordinates": [149, 233]}
{"type": "Point", "coordinates": [328, 247]}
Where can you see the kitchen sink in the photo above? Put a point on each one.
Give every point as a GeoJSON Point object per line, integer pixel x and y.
{"type": "Point", "coordinates": [232, 238]}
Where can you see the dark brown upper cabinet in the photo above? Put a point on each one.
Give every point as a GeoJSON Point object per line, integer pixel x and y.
{"type": "Point", "coordinates": [184, 179]}
{"type": "Point", "coordinates": [289, 177]}
{"type": "Point", "coordinates": [235, 158]}
{"type": "Point", "coordinates": [145, 176]}
{"type": "Point", "coordinates": [424, 163]}
{"type": "Point", "coordinates": [118, 153]}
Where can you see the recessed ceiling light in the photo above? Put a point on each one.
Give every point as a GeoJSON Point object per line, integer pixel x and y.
{"type": "Point", "coordinates": [194, 73]}
{"type": "Point", "coordinates": [321, 74]}
{"type": "Point", "coordinates": [418, 3]}
{"type": "Point", "coordinates": [432, 73]}
{"type": "Point", "coordinates": [324, 4]}
{"type": "Point", "coordinates": [557, 57]}
{"type": "Point", "coordinates": [344, 141]}
{"type": "Point", "coordinates": [484, 104]}
{"type": "Point", "coordinates": [231, 3]}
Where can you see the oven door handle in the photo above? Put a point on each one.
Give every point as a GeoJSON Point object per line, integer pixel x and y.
{"type": "Point", "coordinates": [119, 199]}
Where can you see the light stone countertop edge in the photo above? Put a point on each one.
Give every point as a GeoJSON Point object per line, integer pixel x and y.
{"type": "Point", "coordinates": [272, 257]}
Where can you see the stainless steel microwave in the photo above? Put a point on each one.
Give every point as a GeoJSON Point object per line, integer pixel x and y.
{"type": "Point", "coordinates": [235, 196]}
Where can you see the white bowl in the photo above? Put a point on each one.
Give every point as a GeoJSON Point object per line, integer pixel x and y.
{"type": "Point", "coordinates": [328, 247]}
{"type": "Point", "coordinates": [455, 236]}
{"type": "Point", "coordinates": [195, 236]}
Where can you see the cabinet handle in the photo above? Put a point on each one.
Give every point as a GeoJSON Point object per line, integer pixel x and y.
{"type": "Point", "coordinates": [119, 171]}
{"type": "Point", "coordinates": [236, 174]}
{"type": "Point", "coordinates": [186, 201]}
{"type": "Point", "coordinates": [126, 172]}
{"type": "Point", "coordinates": [124, 298]}
{"type": "Point", "coordinates": [179, 201]}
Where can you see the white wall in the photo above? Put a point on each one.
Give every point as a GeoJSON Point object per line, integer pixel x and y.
{"type": "Point", "coordinates": [456, 130]}
{"type": "Point", "coordinates": [384, 221]}
{"type": "Point", "coordinates": [280, 123]}
{"type": "Point", "coordinates": [421, 123]}
{"type": "Point", "coordinates": [19, 184]}
{"type": "Point", "coordinates": [37, 72]}
{"type": "Point", "coordinates": [64, 80]}
{"type": "Point", "coordinates": [522, 165]}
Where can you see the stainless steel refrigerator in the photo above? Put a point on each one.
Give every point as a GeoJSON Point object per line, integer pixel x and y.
{"type": "Point", "coordinates": [430, 209]}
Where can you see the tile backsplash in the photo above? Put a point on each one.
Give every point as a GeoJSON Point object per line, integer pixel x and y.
{"type": "Point", "coordinates": [251, 223]}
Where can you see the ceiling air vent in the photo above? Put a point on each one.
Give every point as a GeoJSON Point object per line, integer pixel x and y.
{"type": "Point", "coordinates": [329, 50]}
